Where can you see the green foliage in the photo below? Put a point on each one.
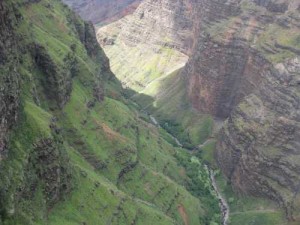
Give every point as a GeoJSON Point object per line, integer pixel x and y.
{"type": "Point", "coordinates": [198, 183]}
{"type": "Point", "coordinates": [206, 152]}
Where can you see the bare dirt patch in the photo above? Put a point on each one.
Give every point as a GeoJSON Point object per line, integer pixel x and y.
{"type": "Point", "coordinates": [183, 214]}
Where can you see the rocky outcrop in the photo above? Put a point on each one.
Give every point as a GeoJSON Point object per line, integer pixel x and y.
{"type": "Point", "coordinates": [103, 11]}
{"type": "Point", "coordinates": [90, 41]}
{"type": "Point", "coordinates": [259, 144]}
{"type": "Point", "coordinates": [57, 83]}
{"type": "Point", "coordinates": [86, 34]}
{"type": "Point", "coordinates": [51, 166]}
{"type": "Point", "coordinates": [221, 75]}
{"type": "Point", "coordinates": [88, 38]}
{"type": "Point", "coordinates": [9, 77]}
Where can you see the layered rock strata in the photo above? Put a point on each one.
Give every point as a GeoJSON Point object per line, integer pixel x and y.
{"type": "Point", "coordinates": [258, 148]}
{"type": "Point", "coordinates": [151, 43]}
{"type": "Point", "coordinates": [103, 11]}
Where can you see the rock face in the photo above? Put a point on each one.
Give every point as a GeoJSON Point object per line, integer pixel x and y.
{"type": "Point", "coordinates": [58, 82]}
{"type": "Point", "coordinates": [226, 62]}
{"type": "Point", "coordinates": [259, 145]}
{"type": "Point", "coordinates": [9, 77]}
{"type": "Point", "coordinates": [246, 69]}
{"type": "Point", "coordinates": [51, 167]}
{"type": "Point", "coordinates": [154, 41]}
{"type": "Point", "coordinates": [241, 72]}
{"type": "Point", "coordinates": [160, 23]}
{"type": "Point", "coordinates": [103, 11]}
{"type": "Point", "coordinates": [222, 75]}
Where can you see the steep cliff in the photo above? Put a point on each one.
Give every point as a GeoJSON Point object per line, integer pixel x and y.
{"type": "Point", "coordinates": [220, 75]}
{"type": "Point", "coordinates": [245, 35]}
{"type": "Point", "coordinates": [259, 144]}
{"type": "Point", "coordinates": [248, 71]}
{"type": "Point", "coordinates": [245, 67]}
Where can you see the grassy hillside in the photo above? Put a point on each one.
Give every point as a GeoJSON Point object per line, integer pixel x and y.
{"type": "Point", "coordinates": [81, 153]}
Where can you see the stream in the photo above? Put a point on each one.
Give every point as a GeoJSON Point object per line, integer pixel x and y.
{"type": "Point", "coordinates": [222, 201]}
{"type": "Point", "coordinates": [154, 121]}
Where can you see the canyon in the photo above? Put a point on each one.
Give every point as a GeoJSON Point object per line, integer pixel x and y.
{"type": "Point", "coordinates": [150, 112]}
{"type": "Point", "coordinates": [238, 62]}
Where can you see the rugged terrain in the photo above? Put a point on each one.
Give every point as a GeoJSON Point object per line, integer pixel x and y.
{"type": "Point", "coordinates": [221, 76]}
{"type": "Point", "coordinates": [147, 42]}
{"type": "Point", "coordinates": [241, 66]}
{"type": "Point", "coordinates": [256, 86]}
{"type": "Point", "coordinates": [147, 51]}
{"type": "Point", "coordinates": [73, 148]}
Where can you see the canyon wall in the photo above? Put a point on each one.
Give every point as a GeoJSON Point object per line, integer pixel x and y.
{"type": "Point", "coordinates": [246, 70]}
{"type": "Point", "coordinates": [226, 64]}
{"type": "Point", "coordinates": [33, 79]}
{"type": "Point", "coordinates": [103, 11]}
{"type": "Point", "coordinates": [151, 43]}
{"type": "Point", "coordinates": [258, 148]}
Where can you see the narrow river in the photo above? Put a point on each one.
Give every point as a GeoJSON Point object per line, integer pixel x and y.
{"type": "Point", "coordinates": [222, 201]}
{"type": "Point", "coordinates": [224, 207]}
{"type": "Point", "coordinates": [154, 121]}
